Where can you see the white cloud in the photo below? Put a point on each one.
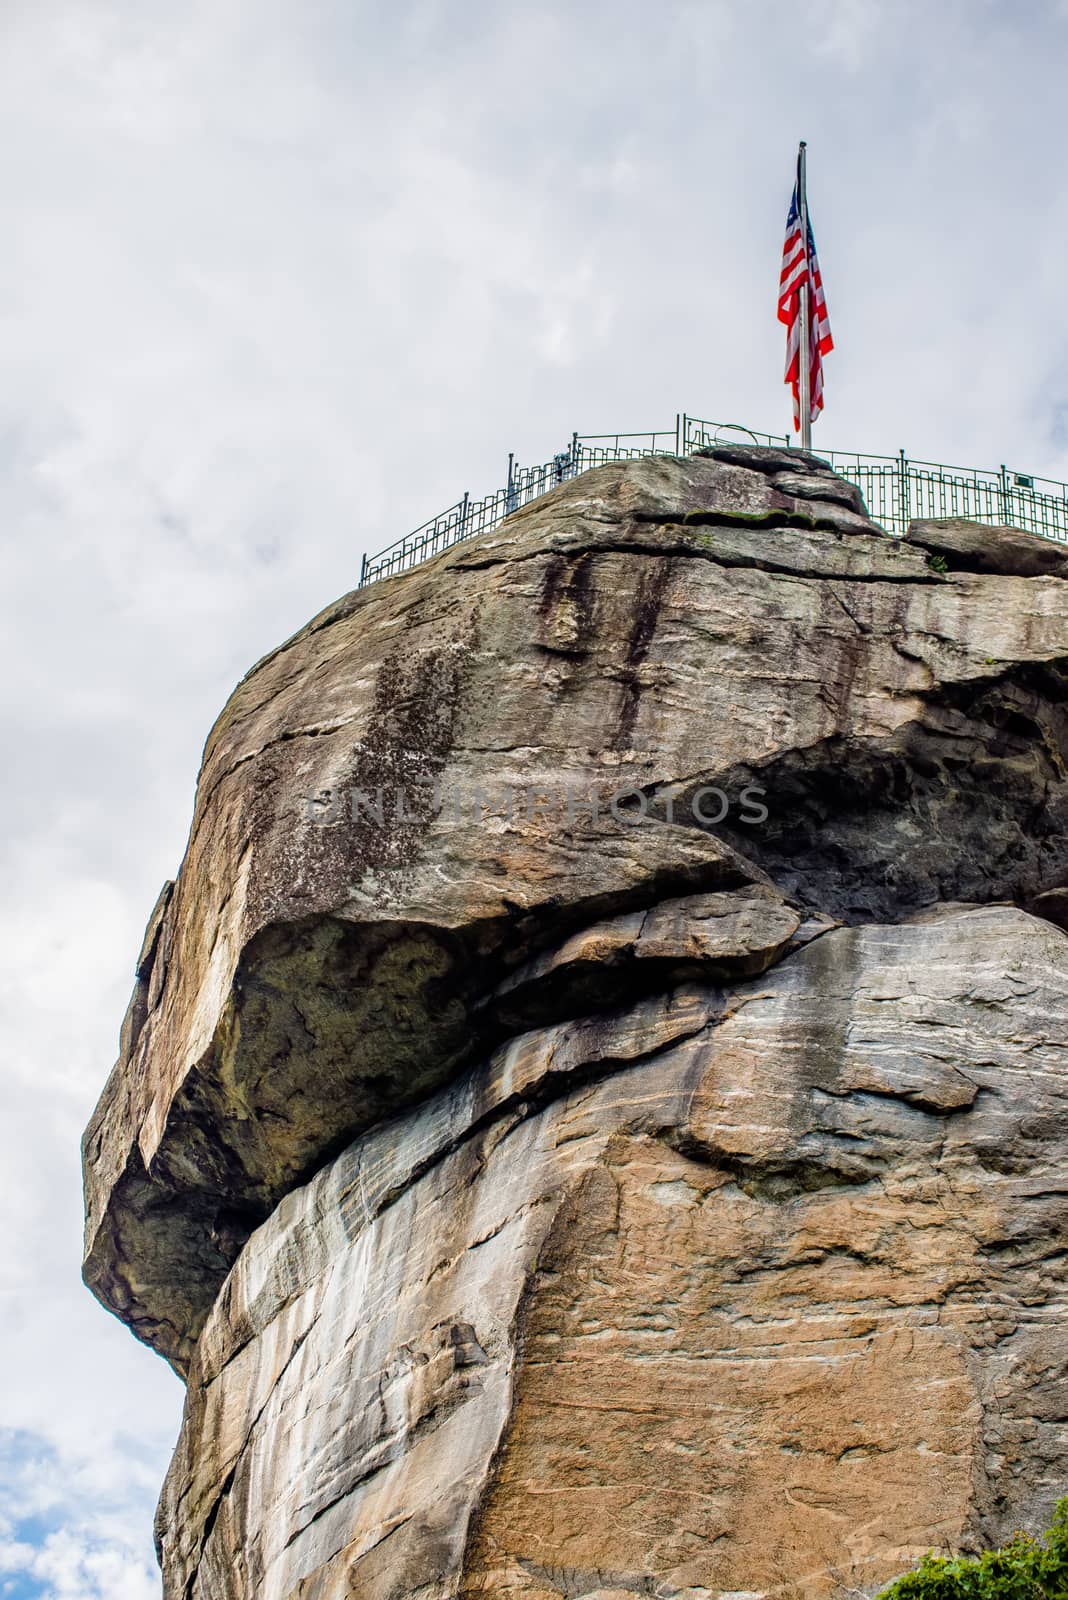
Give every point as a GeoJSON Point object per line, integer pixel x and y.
{"type": "Point", "coordinates": [71, 1566]}
{"type": "Point", "coordinates": [68, 1530]}
{"type": "Point", "coordinates": [281, 281]}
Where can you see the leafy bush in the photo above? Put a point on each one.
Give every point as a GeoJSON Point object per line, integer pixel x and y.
{"type": "Point", "coordinates": [1024, 1569]}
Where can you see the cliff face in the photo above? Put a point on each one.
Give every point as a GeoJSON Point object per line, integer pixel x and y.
{"type": "Point", "coordinates": [591, 1119]}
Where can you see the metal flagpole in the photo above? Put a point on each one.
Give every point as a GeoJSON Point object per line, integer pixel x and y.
{"type": "Point", "coordinates": [804, 354]}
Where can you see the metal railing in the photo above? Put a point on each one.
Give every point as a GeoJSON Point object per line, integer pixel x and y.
{"type": "Point", "coordinates": [896, 489]}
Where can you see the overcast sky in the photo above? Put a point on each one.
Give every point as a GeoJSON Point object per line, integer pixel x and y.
{"type": "Point", "coordinates": [279, 280]}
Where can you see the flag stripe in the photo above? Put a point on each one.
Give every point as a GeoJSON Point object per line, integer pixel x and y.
{"type": "Point", "coordinates": [801, 267]}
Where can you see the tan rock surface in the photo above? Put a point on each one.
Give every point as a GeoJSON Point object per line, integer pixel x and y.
{"type": "Point", "coordinates": [619, 1151]}
{"type": "Point", "coordinates": [770, 1299]}
{"type": "Point", "coordinates": [659, 625]}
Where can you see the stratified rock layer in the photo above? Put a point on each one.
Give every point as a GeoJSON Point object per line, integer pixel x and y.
{"type": "Point", "coordinates": [705, 1295]}
{"type": "Point", "coordinates": [591, 1115]}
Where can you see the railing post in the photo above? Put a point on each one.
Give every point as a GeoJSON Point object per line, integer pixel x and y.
{"type": "Point", "coordinates": [509, 493]}
{"type": "Point", "coordinates": [903, 493]}
{"type": "Point", "coordinates": [574, 454]}
{"type": "Point", "coordinates": [465, 505]}
{"type": "Point", "coordinates": [1003, 491]}
{"type": "Point", "coordinates": [680, 434]}
{"type": "Point", "coordinates": [363, 571]}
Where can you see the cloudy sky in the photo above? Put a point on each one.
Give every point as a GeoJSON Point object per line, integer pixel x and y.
{"type": "Point", "coordinates": [279, 280]}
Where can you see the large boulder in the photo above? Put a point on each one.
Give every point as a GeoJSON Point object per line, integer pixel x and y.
{"type": "Point", "coordinates": [612, 1000]}
{"type": "Point", "coordinates": [964, 546]}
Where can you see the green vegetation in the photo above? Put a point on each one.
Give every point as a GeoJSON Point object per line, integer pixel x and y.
{"type": "Point", "coordinates": [1024, 1569]}
{"type": "Point", "coordinates": [937, 563]}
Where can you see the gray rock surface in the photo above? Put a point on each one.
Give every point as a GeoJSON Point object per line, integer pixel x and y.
{"type": "Point", "coordinates": [589, 1116]}
{"type": "Point", "coordinates": [976, 547]}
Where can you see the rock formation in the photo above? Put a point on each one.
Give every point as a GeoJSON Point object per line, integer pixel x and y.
{"type": "Point", "coordinates": [592, 1116]}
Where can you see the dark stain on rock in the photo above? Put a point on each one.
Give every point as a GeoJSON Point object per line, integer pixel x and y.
{"type": "Point", "coordinates": [651, 586]}
{"type": "Point", "coordinates": [565, 604]}
{"type": "Point", "coordinates": [408, 740]}
{"type": "Point", "coordinates": [378, 814]}
{"type": "Point", "coordinates": [555, 576]}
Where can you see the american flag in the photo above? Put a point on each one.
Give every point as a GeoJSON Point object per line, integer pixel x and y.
{"type": "Point", "coordinates": [801, 266]}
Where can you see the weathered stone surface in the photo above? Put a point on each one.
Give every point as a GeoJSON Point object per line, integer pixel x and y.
{"type": "Point", "coordinates": [762, 1296]}
{"type": "Point", "coordinates": [714, 935]}
{"type": "Point", "coordinates": [975, 547]}
{"type": "Point", "coordinates": [598, 641]}
{"type": "Point", "coordinates": [1052, 905]}
{"type": "Point", "coordinates": [617, 1152]}
{"type": "Point", "coordinates": [770, 459]}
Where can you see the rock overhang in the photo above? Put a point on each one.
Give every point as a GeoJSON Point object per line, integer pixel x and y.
{"type": "Point", "coordinates": [660, 625]}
